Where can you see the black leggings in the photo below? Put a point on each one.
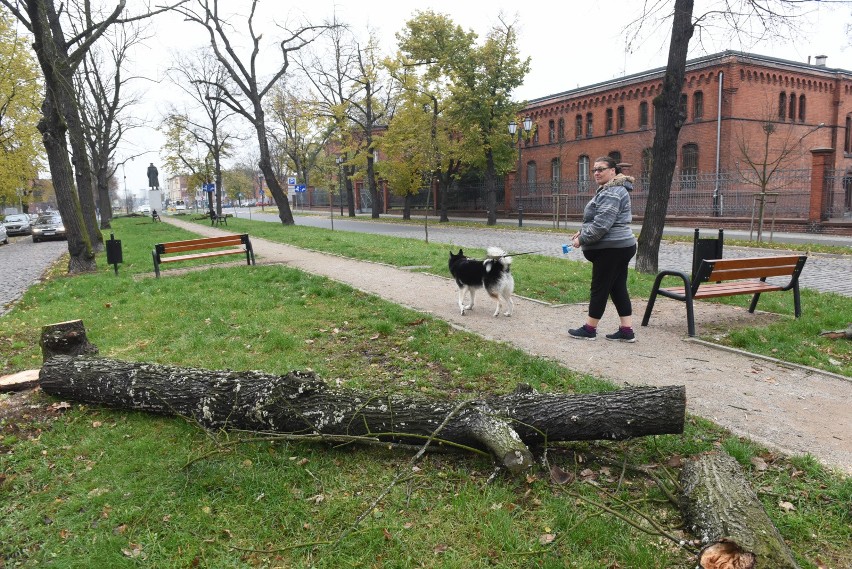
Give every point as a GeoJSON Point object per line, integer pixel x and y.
{"type": "Point", "coordinates": [609, 280]}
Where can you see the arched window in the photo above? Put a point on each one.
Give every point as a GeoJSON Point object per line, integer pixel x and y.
{"type": "Point", "coordinates": [689, 167]}
{"type": "Point", "coordinates": [531, 176]}
{"type": "Point", "coordinates": [782, 106]}
{"type": "Point", "coordinates": [578, 126]}
{"type": "Point", "coordinates": [589, 125]}
{"type": "Point", "coordinates": [697, 106]}
{"type": "Point", "coordinates": [683, 102]}
{"type": "Point", "coordinates": [619, 119]}
{"type": "Point", "coordinates": [583, 174]}
{"type": "Point", "coordinates": [608, 129]}
{"type": "Point", "coordinates": [847, 140]}
{"type": "Point", "coordinates": [792, 113]}
{"type": "Point", "coordinates": [643, 115]}
{"type": "Point", "coordinates": [551, 131]}
{"type": "Point", "coordinates": [560, 133]}
{"type": "Point", "coordinates": [802, 108]}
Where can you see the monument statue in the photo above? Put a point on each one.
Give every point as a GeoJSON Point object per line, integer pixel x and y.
{"type": "Point", "coordinates": [153, 177]}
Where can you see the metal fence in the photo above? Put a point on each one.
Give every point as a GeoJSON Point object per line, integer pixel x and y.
{"type": "Point", "coordinates": [728, 194]}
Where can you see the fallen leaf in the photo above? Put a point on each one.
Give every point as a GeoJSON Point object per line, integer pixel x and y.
{"type": "Point", "coordinates": [676, 461]}
{"type": "Point", "coordinates": [786, 506]}
{"type": "Point", "coordinates": [96, 424]}
{"type": "Point", "coordinates": [387, 534]}
{"type": "Point", "coordinates": [758, 463]}
{"type": "Point", "coordinates": [546, 538]}
{"type": "Point", "coordinates": [441, 548]}
{"type": "Point", "coordinates": [559, 476]}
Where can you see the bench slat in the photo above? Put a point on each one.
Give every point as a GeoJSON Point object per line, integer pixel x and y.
{"type": "Point", "coordinates": [744, 262]}
{"type": "Point", "coordinates": [206, 243]}
{"type": "Point", "coordinates": [729, 274]}
{"type": "Point", "coordinates": [725, 289]}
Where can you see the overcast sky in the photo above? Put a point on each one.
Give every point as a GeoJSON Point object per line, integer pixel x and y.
{"type": "Point", "coordinates": [570, 43]}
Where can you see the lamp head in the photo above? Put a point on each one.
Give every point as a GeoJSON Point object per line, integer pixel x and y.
{"type": "Point", "coordinates": [513, 128]}
{"type": "Point", "coordinates": [527, 124]}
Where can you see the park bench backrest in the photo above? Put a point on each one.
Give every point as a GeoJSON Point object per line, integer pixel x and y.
{"type": "Point", "coordinates": [203, 243]}
{"type": "Point", "coordinates": [721, 270]}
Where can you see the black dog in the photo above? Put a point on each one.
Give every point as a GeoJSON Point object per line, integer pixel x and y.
{"type": "Point", "coordinates": [492, 274]}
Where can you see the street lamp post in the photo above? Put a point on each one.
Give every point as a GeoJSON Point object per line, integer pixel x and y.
{"type": "Point", "coordinates": [525, 135]}
{"type": "Point", "coordinates": [126, 197]}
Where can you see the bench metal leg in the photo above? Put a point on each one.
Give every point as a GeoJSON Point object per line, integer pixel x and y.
{"type": "Point", "coordinates": [797, 300]}
{"type": "Point", "coordinates": [156, 263]}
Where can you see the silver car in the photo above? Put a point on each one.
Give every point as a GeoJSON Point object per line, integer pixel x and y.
{"type": "Point", "coordinates": [48, 226]}
{"type": "Point", "coordinates": [17, 224]}
{"type": "Point", "coordinates": [4, 237]}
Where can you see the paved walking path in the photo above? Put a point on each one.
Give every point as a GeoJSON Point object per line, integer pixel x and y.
{"type": "Point", "coordinates": [791, 409]}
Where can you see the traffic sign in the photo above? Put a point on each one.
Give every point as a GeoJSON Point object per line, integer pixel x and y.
{"type": "Point", "coordinates": [300, 188]}
{"type": "Point", "coordinates": [208, 187]}
{"type": "Point", "coordinates": [291, 181]}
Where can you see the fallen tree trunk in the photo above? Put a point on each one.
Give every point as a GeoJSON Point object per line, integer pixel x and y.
{"type": "Point", "coordinates": [722, 510]}
{"type": "Point", "coordinates": [300, 403]}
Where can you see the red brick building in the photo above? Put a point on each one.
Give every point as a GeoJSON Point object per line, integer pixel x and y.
{"type": "Point", "coordinates": [742, 112]}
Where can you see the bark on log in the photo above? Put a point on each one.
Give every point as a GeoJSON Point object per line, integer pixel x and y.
{"type": "Point", "coordinates": [301, 403]}
{"type": "Point", "coordinates": [66, 338]}
{"type": "Point", "coordinates": [722, 510]}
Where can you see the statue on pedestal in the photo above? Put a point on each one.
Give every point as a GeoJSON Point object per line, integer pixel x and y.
{"type": "Point", "coordinates": [153, 177]}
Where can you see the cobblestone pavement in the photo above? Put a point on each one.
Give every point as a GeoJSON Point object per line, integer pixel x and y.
{"type": "Point", "coordinates": [22, 263]}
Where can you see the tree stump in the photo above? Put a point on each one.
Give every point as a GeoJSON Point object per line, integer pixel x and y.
{"type": "Point", "coordinates": [300, 403]}
{"type": "Point", "coordinates": [722, 510]}
{"type": "Point", "coordinates": [65, 338]}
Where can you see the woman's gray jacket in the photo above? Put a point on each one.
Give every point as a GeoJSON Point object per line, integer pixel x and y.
{"type": "Point", "coordinates": [607, 216]}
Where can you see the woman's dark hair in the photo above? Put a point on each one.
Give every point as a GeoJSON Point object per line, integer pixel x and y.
{"type": "Point", "coordinates": [610, 162]}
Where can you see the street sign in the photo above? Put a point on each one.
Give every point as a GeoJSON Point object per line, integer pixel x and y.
{"type": "Point", "coordinates": [300, 188]}
{"type": "Point", "coordinates": [208, 187]}
{"type": "Point", "coordinates": [291, 181]}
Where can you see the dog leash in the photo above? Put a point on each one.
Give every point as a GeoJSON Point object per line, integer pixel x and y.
{"type": "Point", "coordinates": [518, 254]}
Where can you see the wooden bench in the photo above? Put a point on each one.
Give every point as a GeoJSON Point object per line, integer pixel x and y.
{"type": "Point", "coordinates": [729, 277]}
{"type": "Point", "coordinates": [227, 245]}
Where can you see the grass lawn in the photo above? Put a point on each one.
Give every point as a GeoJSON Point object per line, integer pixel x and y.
{"type": "Point", "coordinates": [84, 486]}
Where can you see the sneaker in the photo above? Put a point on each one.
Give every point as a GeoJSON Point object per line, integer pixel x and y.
{"type": "Point", "coordinates": [622, 335]}
{"type": "Point", "coordinates": [584, 332]}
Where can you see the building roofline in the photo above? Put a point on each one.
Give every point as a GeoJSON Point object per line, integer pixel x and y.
{"type": "Point", "coordinates": [691, 65]}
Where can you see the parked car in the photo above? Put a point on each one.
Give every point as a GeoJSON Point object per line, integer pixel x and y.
{"type": "Point", "coordinates": [146, 209]}
{"type": "Point", "coordinates": [48, 226]}
{"type": "Point", "coordinates": [4, 238]}
{"type": "Point", "coordinates": [17, 224]}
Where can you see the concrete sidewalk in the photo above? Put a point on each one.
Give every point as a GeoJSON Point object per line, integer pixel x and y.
{"type": "Point", "coordinates": [788, 408]}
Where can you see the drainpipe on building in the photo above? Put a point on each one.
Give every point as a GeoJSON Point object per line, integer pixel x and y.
{"type": "Point", "coordinates": [717, 198]}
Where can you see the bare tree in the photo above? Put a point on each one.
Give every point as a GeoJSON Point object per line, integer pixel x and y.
{"type": "Point", "coordinates": [104, 100]}
{"type": "Point", "coordinates": [60, 54]}
{"type": "Point", "coordinates": [330, 74]}
{"type": "Point", "coordinates": [202, 77]}
{"type": "Point", "coordinates": [747, 20]}
{"type": "Point", "coordinates": [245, 90]}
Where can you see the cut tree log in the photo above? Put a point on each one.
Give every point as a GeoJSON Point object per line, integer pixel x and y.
{"type": "Point", "coordinates": [722, 510]}
{"type": "Point", "coordinates": [65, 338]}
{"type": "Point", "coordinates": [300, 403]}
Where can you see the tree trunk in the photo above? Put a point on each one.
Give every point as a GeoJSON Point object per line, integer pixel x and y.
{"type": "Point", "coordinates": [66, 339]}
{"type": "Point", "coordinates": [668, 120]}
{"type": "Point", "coordinates": [300, 403]}
{"type": "Point", "coordinates": [490, 189]}
{"type": "Point", "coordinates": [722, 510]}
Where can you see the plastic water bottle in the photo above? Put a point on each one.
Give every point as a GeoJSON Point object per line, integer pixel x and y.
{"type": "Point", "coordinates": [566, 248]}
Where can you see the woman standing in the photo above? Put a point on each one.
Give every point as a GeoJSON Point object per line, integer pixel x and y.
{"type": "Point", "coordinates": [608, 243]}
